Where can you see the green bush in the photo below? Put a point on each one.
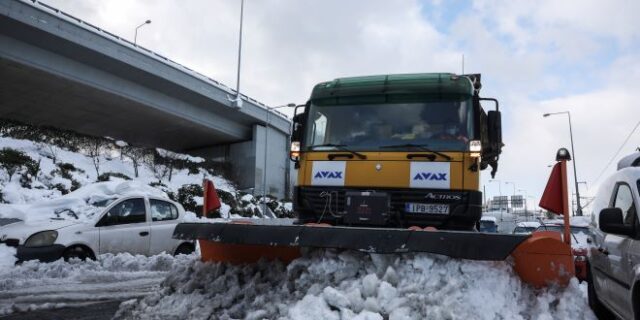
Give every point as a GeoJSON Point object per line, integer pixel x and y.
{"type": "Point", "coordinates": [107, 176]}
{"type": "Point", "coordinates": [65, 170]}
{"type": "Point", "coordinates": [185, 196]}
{"type": "Point", "coordinates": [13, 160]}
{"type": "Point", "coordinates": [60, 187]}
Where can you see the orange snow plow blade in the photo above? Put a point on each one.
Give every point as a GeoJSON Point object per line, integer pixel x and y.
{"type": "Point", "coordinates": [243, 253]}
{"type": "Point", "coordinates": [544, 258]}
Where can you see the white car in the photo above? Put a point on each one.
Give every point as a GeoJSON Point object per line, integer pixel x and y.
{"type": "Point", "coordinates": [526, 227]}
{"type": "Point", "coordinates": [134, 224]}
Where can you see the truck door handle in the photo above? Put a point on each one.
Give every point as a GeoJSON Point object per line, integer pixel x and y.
{"type": "Point", "coordinates": [603, 251]}
{"type": "Point", "coordinates": [144, 233]}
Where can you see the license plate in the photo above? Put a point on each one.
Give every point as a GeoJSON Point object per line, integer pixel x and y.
{"type": "Point", "coordinates": [426, 208]}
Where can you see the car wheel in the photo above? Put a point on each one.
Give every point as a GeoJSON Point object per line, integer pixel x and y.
{"type": "Point", "coordinates": [596, 305]}
{"type": "Point", "coordinates": [185, 248]}
{"type": "Point", "coordinates": [77, 252]}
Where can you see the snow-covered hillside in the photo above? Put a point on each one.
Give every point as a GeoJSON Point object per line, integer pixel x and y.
{"type": "Point", "coordinates": [36, 173]}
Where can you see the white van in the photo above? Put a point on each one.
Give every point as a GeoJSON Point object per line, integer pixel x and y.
{"type": "Point", "coordinates": [614, 264]}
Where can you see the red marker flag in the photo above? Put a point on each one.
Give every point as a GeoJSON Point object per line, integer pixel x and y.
{"type": "Point", "coordinates": [211, 200]}
{"type": "Point", "coordinates": [552, 198]}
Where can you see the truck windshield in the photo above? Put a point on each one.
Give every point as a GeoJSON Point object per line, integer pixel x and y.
{"type": "Point", "coordinates": [440, 126]}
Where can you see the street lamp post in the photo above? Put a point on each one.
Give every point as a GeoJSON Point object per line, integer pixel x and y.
{"type": "Point", "coordinates": [573, 154]}
{"type": "Point", "coordinates": [264, 164]}
{"type": "Point", "coordinates": [135, 37]}
{"type": "Point", "coordinates": [237, 100]}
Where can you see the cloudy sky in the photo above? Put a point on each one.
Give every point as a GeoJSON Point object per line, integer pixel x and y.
{"type": "Point", "coordinates": [534, 56]}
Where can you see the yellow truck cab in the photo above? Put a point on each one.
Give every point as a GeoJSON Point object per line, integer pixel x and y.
{"type": "Point", "coordinates": [394, 151]}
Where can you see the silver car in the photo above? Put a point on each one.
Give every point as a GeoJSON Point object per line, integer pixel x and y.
{"type": "Point", "coordinates": [614, 277]}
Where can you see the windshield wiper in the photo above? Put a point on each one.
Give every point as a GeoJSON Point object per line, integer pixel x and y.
{"type": "Point", "coordinates": [340, 147]}
{"type": "Point", "coordinates": [418, 146]}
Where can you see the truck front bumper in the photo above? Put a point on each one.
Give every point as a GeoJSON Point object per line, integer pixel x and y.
{"type": "Point", "coordinates": [327, 204]}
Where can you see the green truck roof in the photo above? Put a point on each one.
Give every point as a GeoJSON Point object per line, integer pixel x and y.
{"type": "Point", "coordinates": [392, 87]}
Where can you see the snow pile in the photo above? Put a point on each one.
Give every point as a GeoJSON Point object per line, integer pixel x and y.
{"type": "Point", "coordinates": [81, 204]}
{"type": "Point", "coordinates": [353, 285]}
{"type": "Point", "coordinates": [33, 285]}
{"type": "Point", "coordinates": [7, 257]}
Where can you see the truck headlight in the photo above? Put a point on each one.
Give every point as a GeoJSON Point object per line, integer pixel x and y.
{"type": "Point", "coordinates": [295, 149]}
{"type": "Point", "coordinates": [475, 146]}
{"type": "Point", "coordinates": [41, 239]}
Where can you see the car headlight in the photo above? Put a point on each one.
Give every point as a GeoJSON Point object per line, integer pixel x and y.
{"type": "Point", "coordinates": [41, 239]}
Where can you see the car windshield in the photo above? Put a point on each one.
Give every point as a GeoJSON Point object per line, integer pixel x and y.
{"type": "Point", "coordinates": [439, 126]}
{"type": "Point", "coordinates": [523, 229]}
{"type": "Point", "coordinates": [103, 203]}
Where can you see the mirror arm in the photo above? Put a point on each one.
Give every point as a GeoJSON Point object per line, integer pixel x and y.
{"type": "Point", "coordinates": [492, 99]}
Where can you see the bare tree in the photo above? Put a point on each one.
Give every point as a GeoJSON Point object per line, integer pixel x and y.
{"type": "Point", "coordinates": [94, 147]}
{"type": "Point", "coordinates": [48, 150]}
{"type": "Point", "coordinates": [138, 156]}
{"type": "Point", "coordinates": [170, 158]}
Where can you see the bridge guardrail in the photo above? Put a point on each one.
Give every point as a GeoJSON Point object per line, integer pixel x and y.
{"type": "Point", "coordinates": [108, 35]}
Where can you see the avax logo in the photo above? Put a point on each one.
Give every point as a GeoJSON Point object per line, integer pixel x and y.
{"type": "Point", "coordinates": [430, 176]}
{"type": "Point", "coordinates": [328, 175]}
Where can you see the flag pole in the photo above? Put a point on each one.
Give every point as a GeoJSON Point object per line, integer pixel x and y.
{"type": "Point", "coordinates": [565, 201]}
{"type": "Point", "coordinates": [563, 156]}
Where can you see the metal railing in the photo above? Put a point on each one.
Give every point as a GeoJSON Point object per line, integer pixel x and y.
{"type": "Point", "coordinates": [160, 58]}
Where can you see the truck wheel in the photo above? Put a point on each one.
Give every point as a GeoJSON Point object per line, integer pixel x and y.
{"type": "Point", "coordinates": [596, 305]}
{"type": "Point", "coordinates": [78, 252]}
{"type": "Point", "coordinates": [185, 248]}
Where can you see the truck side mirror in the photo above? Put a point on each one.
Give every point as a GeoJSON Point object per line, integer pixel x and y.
{"type": "Point", "coordinates": [296, 131]}
{"type": "Point", "coordinates": [610, 221]}
{"type": "Point", "coordinates": [495, 127]}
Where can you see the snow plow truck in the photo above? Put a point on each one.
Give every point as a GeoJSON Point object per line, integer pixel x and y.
{"type": "Point", "coordinates": [390, 164]}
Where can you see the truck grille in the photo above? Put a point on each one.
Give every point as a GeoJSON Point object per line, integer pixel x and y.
{"type": "Point", "coordinates": [320, 197]}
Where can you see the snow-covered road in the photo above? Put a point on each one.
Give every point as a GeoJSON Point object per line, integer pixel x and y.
{"type": "Point", "coordinates": [33, 285]}
{"type": "Point", "coordinates": [320, 285]}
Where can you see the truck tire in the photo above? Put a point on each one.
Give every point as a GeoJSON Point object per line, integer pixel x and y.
{"type": "Point", "coordinates": [78, 252]}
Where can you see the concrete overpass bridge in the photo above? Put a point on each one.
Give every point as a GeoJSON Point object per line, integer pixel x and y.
{"type": "Point", "coordinates": [60, 71]}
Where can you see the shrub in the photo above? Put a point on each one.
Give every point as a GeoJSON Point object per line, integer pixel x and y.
{"type": "Point", "coordinates": [107, 176]}
{"type": "Point", "coordinates": [186, 195]}
{"type": "Point", "coordinates": [13, 160]}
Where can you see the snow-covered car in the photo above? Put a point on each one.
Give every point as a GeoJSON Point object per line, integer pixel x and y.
{"type": "Point", "coordinates": [488, 224]}
{"type": "Point", "coordinates": [140, 224]}
{"type": "Point", "coordinates": [580, 241]}
{"type": "Point", "coordinates": [525, 227]}
{"type": "Point", "coordinates": [614, 273]}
